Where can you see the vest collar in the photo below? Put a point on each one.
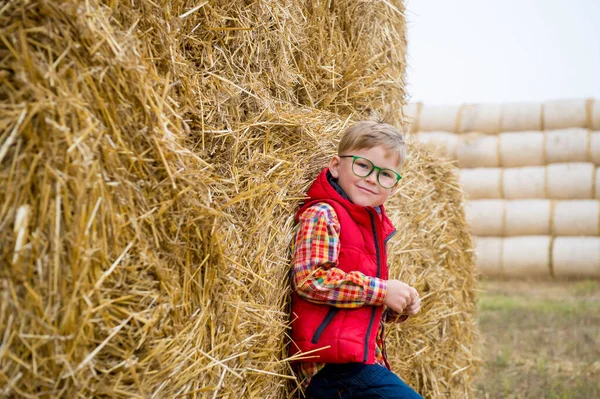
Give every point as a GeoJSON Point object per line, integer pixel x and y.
{"type": "Point", "coordinates": [334, 183]}
{"type": "Point", "coordinates": [322, 189]}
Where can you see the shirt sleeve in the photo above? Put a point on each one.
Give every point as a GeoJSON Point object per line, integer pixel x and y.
{"type": "Point", "coordinates": [316, 276]}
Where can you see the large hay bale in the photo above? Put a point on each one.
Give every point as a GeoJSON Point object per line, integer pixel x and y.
{"type": "Point", "coordinates": [571, 180]}
{"type": "Point", "coordinates": [488, 255]}
{"type": "Point", "coordinates": [487, 217]}
{"type": "Point", "coordinates": [476, 150]}
{"type": "Point", "coordinates": [155, 154]}
{"type": "Point", "coordinates": [433, 118]}
{"type": "Point", "coordinates": [525, 183]}
{"type": "Point", "coordinates": [562, 114]}
{"type": "Point", "coordinates": [527, 256]}
{"type": "Point", "coordinates": [522, 149]}
{"type": "Point", "coordinates": [108, 216]}
{"type": "Point", "coordinates": [597, 183]}
{"type": "Point", "coordinates": [567, 145]}
{"type": "Point", "coordinates": [351, 55]}
{"type": "Point", "coordinates": [576, 257]}
{"type": "Point", "coordinates": [576, 218]}
{"type": "Point", "coordinates": [595, 114]}
{"type": "Point", "coordinates": [521, 116]}
{"type": "Point", "coordinates": [481, 118]}
{"type": "Point", "coordinates": [528, 217]}
{"type": "Point", "coordinates": [482, 183]}
{"type": "Point", "coordinates": [411, 112]}
{"type": "Point", "coordinates": [442, 143]}
{"type": "Point", "coordinates": [435, 351]}
{"type": "Point", "coordinates": [595, 147]}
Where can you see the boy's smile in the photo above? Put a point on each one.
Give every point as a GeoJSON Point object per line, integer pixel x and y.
{"type": "Point", "coordinates": [365, 191]}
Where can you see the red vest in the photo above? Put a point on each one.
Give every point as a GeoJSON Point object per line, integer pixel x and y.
{"type": "Point", "coordinates": [339, 335]}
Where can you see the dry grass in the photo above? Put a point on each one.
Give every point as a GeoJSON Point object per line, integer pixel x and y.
{"type": "Point", "coordinates": [152, 157]}
{"type": "Point", "coordinates": [541, 339]}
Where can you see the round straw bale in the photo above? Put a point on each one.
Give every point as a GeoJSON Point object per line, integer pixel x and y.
{"type": "Point", "coordinates": [597, 183]}
{"type": "Point", "coordinates": [433, 251]}
{"type": "Point", "coordinates": [483, 118]}
{"type": "Point", "coordinates": [411, 113]}
{"type": "Point", "coordinates": [562, 114]}
{"type": "Point", "coordinates": [442, 143]}
{"type": "Point", "coordinates": [595, 115]}
{"type": "Point", "coordinates": [528, 217]}
{"type": "Point", "coordinates": [527, 256]}
{"type": "Point", "coordinates": [438, 118]}
{"type": "Point", "coordinates": [521, 149]}
{"type": "Point", "coordinates": [526, 182]}
{"type": "Point", "coordinates": [476, 150]}
{"type": "Point", "coordinates": [567, 145]}
{"type": "Point", "coordinates": [571, 180]}
{"type": "Point", "coordinates": [111, 267]}
{"type": "Point", "coordinates": [488, 255]}
{"type": "Point", "coordinates": [486, 217]}
{"type": "Point", "coordinates": [481, 183]}
{"type": "Point", "coordinates": [595, 146]}
{"type": "Point", "coordinates": [576, 218]}
{"type": "Point", "coordinates": [576, 257]}
{"type": "Point", "coordinates": [341, 65]}
{"type": "Point", "coordinates": [520, 117]}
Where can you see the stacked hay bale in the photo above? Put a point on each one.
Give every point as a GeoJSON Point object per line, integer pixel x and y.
{"type": "Point", "coordinates": [531, 172]}
{"type": "Point", "coordinates": [434, 238]}
{"type": "Point", "coordinates": [152, 159]}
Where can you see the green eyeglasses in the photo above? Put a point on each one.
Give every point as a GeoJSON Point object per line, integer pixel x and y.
{"type": "Point", "coordinates": [362, 167]}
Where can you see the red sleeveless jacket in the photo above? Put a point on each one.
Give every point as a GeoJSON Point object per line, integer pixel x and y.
{"type": "Point", "coordinates": [341, 335]}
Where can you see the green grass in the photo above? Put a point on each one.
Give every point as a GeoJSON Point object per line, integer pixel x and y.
{"type": "Point", "coordinates": [503, 303]}
{"type": "Point", "coordinates": [542, 340]}
{"type": "Point", "coordinates": [587, 287]}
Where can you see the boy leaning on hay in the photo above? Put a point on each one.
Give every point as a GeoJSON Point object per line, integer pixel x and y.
{"type": "Point", "coordinates": [341, 291]}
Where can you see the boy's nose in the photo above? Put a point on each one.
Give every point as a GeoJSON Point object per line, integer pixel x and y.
{"type": "Point", "coordinates": [372, 178]}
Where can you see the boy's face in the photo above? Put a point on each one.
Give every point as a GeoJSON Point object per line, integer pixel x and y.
{"type": "Point", "coordinates": [365, 191]}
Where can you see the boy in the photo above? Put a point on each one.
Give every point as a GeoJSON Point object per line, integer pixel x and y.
{"type": "Point", "coordinates": [341, 291]}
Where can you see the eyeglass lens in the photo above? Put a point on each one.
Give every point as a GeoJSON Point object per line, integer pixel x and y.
{"type": "Point", "coordinates": [363, 167]}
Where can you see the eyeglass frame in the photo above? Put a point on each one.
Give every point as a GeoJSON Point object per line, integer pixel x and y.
{"type": "Point", "coordinates": [375, 167]}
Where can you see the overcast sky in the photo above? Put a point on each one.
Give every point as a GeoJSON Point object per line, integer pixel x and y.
{"type": "Point", "coordinates": [502, 50]}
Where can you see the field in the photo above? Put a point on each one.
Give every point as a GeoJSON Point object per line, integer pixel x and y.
{"type": "Point", "coordinates": [541, 339]}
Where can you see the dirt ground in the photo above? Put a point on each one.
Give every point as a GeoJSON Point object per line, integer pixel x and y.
{"type": "Point", "coordinates": [541, 339]}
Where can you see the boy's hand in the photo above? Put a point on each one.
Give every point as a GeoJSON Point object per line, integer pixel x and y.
{"type": "Point", "coordinates": [415, 304]}
{"type": "Point", "coordinates": [400, 295]}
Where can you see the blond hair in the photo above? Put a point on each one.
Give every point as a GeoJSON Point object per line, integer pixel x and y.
{"type": "Point", "coordinates": [369, 134]}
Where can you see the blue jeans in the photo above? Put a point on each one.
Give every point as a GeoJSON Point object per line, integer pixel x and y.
{"type": "Point", "coordinates": [358, 380]}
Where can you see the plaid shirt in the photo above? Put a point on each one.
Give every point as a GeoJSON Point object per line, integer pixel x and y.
{"type": "Point", "coordinates": [317, 279]}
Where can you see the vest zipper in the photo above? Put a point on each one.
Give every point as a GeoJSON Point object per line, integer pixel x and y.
{"type": "Point", "coordinates": [393, 233]}
{"type": "Point", "coordinates": [373, 309]}
{"type": "Point", "coordinates": [326, 321]}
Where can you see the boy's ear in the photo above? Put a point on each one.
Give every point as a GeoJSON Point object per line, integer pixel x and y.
{"type": "Point", "coordinates": [334, 166]}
